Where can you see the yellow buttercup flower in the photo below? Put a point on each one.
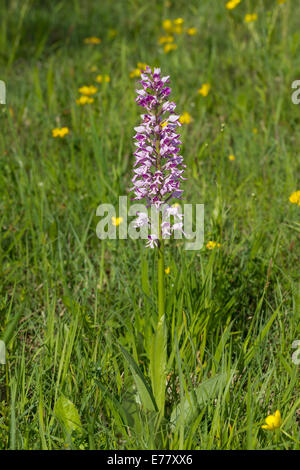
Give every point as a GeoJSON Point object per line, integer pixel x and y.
{"type": "Point", "coordinates": [173, 27]}
{"type": "Point", "coordinates": [92, 40]}
{"type": "Point", "coordinates": [177, 26]}
{"type": "Point", "coordinates": [231, 158]}
{"type": "Point", "coordinates": [135, 73]}
{"type": "Point", "coordinates": [273, 421]}
{"type": "Point", "coordinates": [167, 270]}
{"type": "Point", "coordinates": [211, 245]}
{"type": "Point", "coordinates": [170, 47]}
{"type": "Point", "coordinates": [178, 21]}
{"type": "Point", "coordinates": [88, 90]}
{"type": "Point", "coordinates": [141, 65]}
{"type": "Point", "coordinates": [185, 118]}
{"type": "Point", "coordinates": [254, 130]}
{"type": "Point", "coordinates": [165, 39]}
{"type": "Point", "coordinates": [295, 198]}
{"type": "Point", "coordinates": [204, 90]}
{"type": "Point", "coordinates": [167, 26]}
{"type": "Point", "coordinates": [178, 29]}
{"type": "Point", "coordinates": [280, 2]}
{"type": "Point", "coordinates": [191, 31]}
{"type": "Point", "coordinates": [103, 78]}
{"type": "Point", "coordinates": [250, 17]}
{"type": "Point", "coordinates": [84, 100]}
{"type": "Point", "coordinates": [116, 221]}
{"type": "Point", "coordinates": [60, 132]}
{"type": "Point", "coordinates": [232, 4]}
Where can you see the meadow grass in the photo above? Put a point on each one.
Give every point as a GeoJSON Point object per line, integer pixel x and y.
{"type": "Point", "coordinates": [78, 314]}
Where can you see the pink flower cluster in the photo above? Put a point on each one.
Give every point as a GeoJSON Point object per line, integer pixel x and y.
{"type": "Point", "coordinates": [158, 167]}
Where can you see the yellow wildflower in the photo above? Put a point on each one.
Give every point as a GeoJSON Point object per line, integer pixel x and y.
{"type": "Point", "coordinates": [231, 158]}
{"type": "Point", "coordinates": [170, 47]}
{"type": "Point", "coordinates": [173, 27]}
{"type": "Point", "coordinates": [204, 90]}
{"type": "Point", "coordinates": [250, 17]}
{"type": "Point", "coordinates": [211, 245]}
{"type": "Point", "coordinates": [232, 4]}
{"type": "Point", "coordinates": [167, 270]}
{"type": "Point", "coordinates": [141, 65]}
{"type": "Point", "coordinates": [135, 73]}
{"type": "Point", "coordinates": [167, 26]}
{"type": "Point", "coordinates": [116, 221]}
{"type": "Point", "coordinates": [273, 421]}
{"type": "Point", "coordinates": [295, 198]}
{"type": "Point", "coordinates": [178, 21]}
{"type": "Point", "coordinates": [185, 118]}
{"type": "Point", "coordinates": [191, 31]}
{"type": "Point", "coordinates": [92, 40]}
{"type": "Point", "coordinates": [165, 39]}
{"type": "Point", "coordinates": [178, 29]}
{"type": "Point", "coordinates": [178, 26]}
{"type": "Point", "coordinates": [254, 130]}
{"type": "Point", "coordinates": [87, 90]}
{"type": "Point", "coordinates": [60, 132]}
{"type": "Point", "coordinates": [280, 2]}
{"type": "Point", "coordinates": [84, 100]}
{"type": "Point", "coordinates": [103, 78]}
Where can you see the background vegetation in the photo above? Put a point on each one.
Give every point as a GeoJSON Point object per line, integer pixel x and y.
{"type": "Point", "coordinates": [69, 302]}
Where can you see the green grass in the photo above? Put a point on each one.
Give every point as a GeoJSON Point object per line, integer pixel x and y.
{"type": "Point", "coordinates": [76, 311]}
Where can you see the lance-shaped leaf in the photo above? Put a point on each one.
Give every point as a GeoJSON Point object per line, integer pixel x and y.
{"type": "Point", "coordinates": [144, 391]}
{"type": "Point", "coordinates": [158, 360]}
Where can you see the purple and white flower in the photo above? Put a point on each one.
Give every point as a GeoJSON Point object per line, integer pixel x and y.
{"type": "Point", "coordinates": [158, 168]}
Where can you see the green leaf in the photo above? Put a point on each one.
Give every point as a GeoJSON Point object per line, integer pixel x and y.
{"type": "Point", "coordinates": [67, 414]}
{"type": "Point", "coordinates": [220, 349]}
{"type": "Point", "coordinates": [115, 407]}
{"type": "Point", "coordinates": [188, 408]}
{"type": "Point", "coordinates": [158, 360]}
{"type": "Point", "coordinates": [11, 328]}
{"type": "Point", "coordinates": [144, 391]}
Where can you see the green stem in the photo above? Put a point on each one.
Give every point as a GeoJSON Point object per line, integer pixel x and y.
{"type": "Point", "coordinates": [161, 274]}
{"type": "Point", "coordinates": [288, 435]}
